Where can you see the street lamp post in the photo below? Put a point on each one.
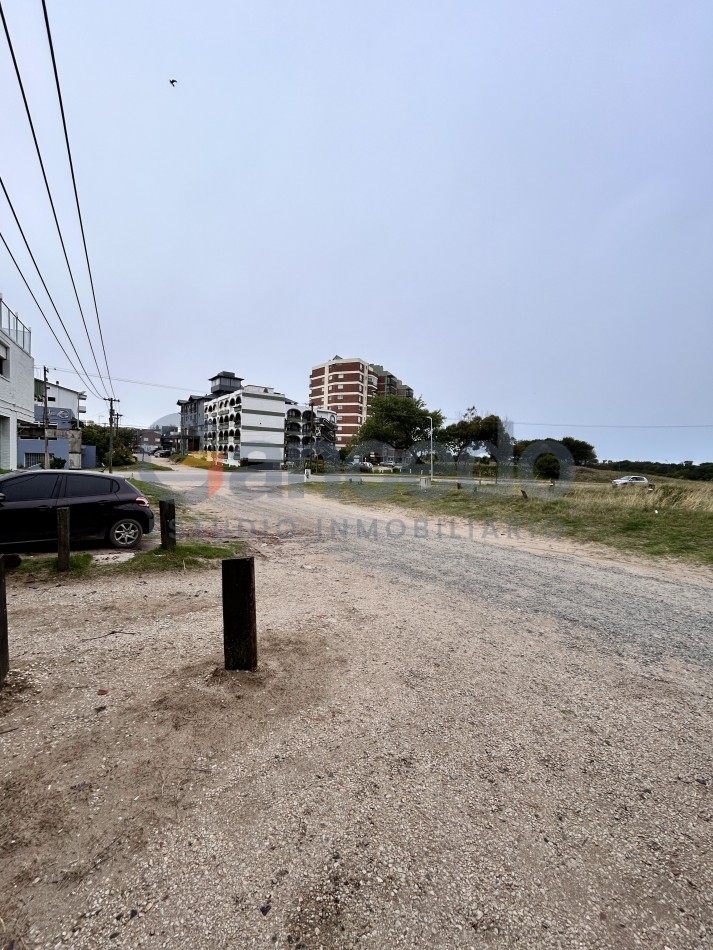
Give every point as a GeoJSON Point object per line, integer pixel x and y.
{"type": "Point", "coordinates": [430, 419]}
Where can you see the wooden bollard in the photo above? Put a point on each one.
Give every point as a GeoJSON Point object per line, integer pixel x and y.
{"type": "Point", "coordinates": [4, 649]}
{"type": "Point", "coordinates": [239, 616]}
{"type": "Point", "coordinates": [63, 539]}
{"type": "Point", "coordinates": [167, 516]}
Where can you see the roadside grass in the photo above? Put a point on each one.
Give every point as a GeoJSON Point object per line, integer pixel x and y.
{"type": "Point", "coordinates": [200, 461]}
{"type": "Point", "coordinates": [143, 467]}
{"type": "Point", "coordinates": [79, 565]}
{"type": "Point", "coordinates": [675, 520]}
{"type": "Point", "coordinates": [156, 492]}
{"type": "Point", "coordinates": [182, 558]}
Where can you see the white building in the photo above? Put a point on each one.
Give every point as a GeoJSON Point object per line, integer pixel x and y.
{"type": "Point", "coordinates": [17, 386]}
{"type": "Point", "coordinates": [307, 429]}
{"type": "Point", "coordinates": [246, 426]}
{"type": "Point", "coordinates": [61, 400]}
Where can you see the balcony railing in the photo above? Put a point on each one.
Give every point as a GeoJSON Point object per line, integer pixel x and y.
{"type": "Point", "coordinates": [13, 327]}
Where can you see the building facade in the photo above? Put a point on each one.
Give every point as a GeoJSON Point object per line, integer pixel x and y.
{"type": "Point", "coordinates": [343, 386]}
{"type": "Point", "coordinates": [247, 426]}
{"type": "Point", "coordinates": [63, 404]}
{"type": "Point", "coordinates": [192, 435]}
{"type": "Point", "coordinates": [389, 385]}
{"type": "Point", "coordinates": [347, 386]}
{"type": "Point", "coordinates": [310, 432]}
{"type": "Point", "coordinates": [17, 373]}
{"type": "Point", "coordinates": [62, 424]}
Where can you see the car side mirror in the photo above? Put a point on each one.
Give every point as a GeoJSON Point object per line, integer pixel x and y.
{"type": "Point", "coordinates": [2, 498]}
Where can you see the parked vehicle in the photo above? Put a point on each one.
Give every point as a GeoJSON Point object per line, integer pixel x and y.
{"type": "Point", "coordinates": [100, 506]}
{"type": "Point", "coordinates": [630, 480]}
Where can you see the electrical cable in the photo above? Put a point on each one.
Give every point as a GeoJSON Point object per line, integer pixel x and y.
{"type": "Point", "coordinates": [602, 425]}
{"type": "Point", "coordinates": [39, 274]}
{"type": "Point", "coordinates": [49, 193]}
{"type": "Point", "coordinates": [138, 382]}
{"type": "Point", "coordinates": [69, 359]}
{"type": "Point", "coordinates": [599, 425]}
{"type": "Point", "coordinates": [76, 194]}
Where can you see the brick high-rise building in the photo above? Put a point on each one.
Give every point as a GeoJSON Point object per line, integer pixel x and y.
{"type": "Point", "coordinates": [387, 384]}
{"type": "Point", "coordinates": [346, 386]}
{"type": "Point", "coordinates": [343, 385]}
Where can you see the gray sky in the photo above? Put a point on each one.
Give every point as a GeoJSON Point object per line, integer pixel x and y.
{"type": "Point", "coordinates": [509, 204]}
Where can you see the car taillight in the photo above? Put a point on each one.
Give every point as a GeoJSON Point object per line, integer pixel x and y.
{"type": "Point", "coordinates": [140, 500]}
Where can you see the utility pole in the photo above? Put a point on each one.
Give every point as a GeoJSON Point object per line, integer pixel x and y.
{"type": "Point", "coordinates": [111, 433]}
{"type": "Point", "coordinates": [46, 421]}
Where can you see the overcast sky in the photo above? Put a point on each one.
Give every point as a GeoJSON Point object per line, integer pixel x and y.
{"type": "Point", "coordinates": [509, 204]}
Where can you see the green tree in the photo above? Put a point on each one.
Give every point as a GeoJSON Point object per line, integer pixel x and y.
{"type": "Point", "coordinates": [399, 422]}
{"type": "Point", "coordinates": [476, 432]}
{"type": "Point", "coordinates": [99, 437]}
{"type": "Point", "coordinates": [460, 436]}
{"type": "Point", "coordinates": [582, 452]}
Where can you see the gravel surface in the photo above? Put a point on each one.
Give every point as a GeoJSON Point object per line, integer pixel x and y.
{"type": "Point", "coordinates": [451, 741]}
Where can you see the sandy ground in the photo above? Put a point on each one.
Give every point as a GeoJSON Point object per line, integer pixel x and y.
{"type": "Point", "coordinates": [451, 741]}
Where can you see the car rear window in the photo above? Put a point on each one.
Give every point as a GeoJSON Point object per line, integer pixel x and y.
{"type": "Point", "coordinates": [29, 487]}
{"type": "Point", "coordinates": [80, 486]}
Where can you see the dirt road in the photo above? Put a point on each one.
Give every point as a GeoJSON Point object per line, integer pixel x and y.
{"type": "Point", "coordinates": [452, 741]}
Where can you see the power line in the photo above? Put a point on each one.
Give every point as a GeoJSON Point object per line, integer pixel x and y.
{"type": "Point", "coordinates": [39, 274]}
{"type": "Point", "coordinates": [49, 193]}
{"type": "Point", "coordinates": [602, 425]}
{"type": "Point", "coordinates": [69, 359]}
{"type": "Point", "coordinates": [137, 382]}
{"type": "Point", "coordinates": [76, 194]}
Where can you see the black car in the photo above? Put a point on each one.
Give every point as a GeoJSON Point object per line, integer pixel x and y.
{"type": "Point", "coordinates": [100, 506]}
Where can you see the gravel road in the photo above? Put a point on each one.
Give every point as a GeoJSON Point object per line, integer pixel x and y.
{"type": "Point", "coordinates": [452, 740]}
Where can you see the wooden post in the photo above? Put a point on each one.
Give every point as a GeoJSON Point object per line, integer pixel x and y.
{"type": "Point", "coordinates": [4, 649]}
{"type": "Point", "coordinates": [63, 539]}
{"type": "Point", "coordinates": [239, 618]}
{"type": "Point", "coordinates": [167, 515]}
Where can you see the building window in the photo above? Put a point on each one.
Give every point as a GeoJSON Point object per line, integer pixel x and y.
{"type": "Point", "coordinates": [340, 376]}
{"type": "Point", "coordinates": [340, 386]}
{"type": "Point", "coordinates": [4, 362]}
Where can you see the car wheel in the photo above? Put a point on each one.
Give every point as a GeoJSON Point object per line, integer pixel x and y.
{"type": "Point", "coordinates": [126, 533]}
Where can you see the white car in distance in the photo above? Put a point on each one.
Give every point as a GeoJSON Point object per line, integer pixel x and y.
{"type": "Point", "coordinates": [630, 480]}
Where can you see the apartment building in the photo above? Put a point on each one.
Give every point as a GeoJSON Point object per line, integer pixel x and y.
{"type": "Point", "coordinates": [309, 431]}
{"type": "Point", "coordinates": [389, 385]}
{"type": "Point", "coordinates": [346, 386]}
{"type": "Point", "coordinates": [17, 373]}
{"type": "Point", "coordinates": [245, 424]}
{"type": "Point", "coordinates": [250, 425]}
{"type": "Point", "coordinates": [192, 426]}
{"type": "Point", "coordinates": [64, 406]}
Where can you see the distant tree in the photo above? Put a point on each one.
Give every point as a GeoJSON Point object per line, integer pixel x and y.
{"type": "Point", "coordinates": [547, 466]}
{"type": "Point", "coordinates": [99, 437]}
{"type": "Point", "coordinates": [582, 452]}
{"type": "Point", "coordinates": [494, 433]}
{"type": "Point", "coordinates": [460, 436]}
{"type": "Point", "coordinates": [398, 421]}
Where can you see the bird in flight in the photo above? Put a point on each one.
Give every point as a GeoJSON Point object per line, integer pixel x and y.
{"type": "Point", "coordinates": [173, 81]}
